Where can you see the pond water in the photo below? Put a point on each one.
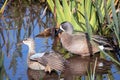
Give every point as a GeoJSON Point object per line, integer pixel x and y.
{"type": "Point", "coordinates": [23, 22]}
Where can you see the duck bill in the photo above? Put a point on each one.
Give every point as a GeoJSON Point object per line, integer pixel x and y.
{"type": "Point", "coordinates": [57, 32]}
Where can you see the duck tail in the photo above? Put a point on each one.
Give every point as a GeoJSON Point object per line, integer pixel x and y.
{"type": "Point", "coordinates": [107, 43]}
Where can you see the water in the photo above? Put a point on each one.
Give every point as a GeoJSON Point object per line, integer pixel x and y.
{"type": "Point", "coordinates": [19, 23]}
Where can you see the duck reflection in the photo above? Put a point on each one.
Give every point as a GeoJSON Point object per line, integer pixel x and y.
{"type": "Point", "coordinates": [79, 66]}
{"type": "Point", "coordinates": [41, 75]}
{"type": "Point", "coordinates": [35, 74]}
{"type": "Point", "coordinates": [74, 67]}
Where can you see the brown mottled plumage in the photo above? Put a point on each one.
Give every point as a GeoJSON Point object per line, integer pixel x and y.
{"type": "Point", "coordinates": [47, 32]}
{"type": "Point", "coordinates": [52, 61]}
{"type": "Point", "coordinates": [48, 60]}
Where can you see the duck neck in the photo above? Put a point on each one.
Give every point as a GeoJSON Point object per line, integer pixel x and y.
{"type": "Point", "coordinates": [31, 50]}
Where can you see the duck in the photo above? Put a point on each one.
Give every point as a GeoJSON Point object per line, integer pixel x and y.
{"type": "Point", "coordinates": [46, 61]}
{"type": "Point", "coordinates": [79, 43]}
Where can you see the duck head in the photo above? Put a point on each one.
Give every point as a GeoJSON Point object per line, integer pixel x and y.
{"type": "Point", "coordinates": [31, 45]}
{"type": "Point", "coordinates": [65, 27]}
{"type": "Point", "coordinates": [29, 42]}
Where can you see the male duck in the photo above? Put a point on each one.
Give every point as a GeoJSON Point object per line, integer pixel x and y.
{"type": "Point", "coordinates": [78, 43]}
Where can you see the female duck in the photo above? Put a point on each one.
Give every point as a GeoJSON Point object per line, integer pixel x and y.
{"type": "Point", "coordinates": [43, 61]}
